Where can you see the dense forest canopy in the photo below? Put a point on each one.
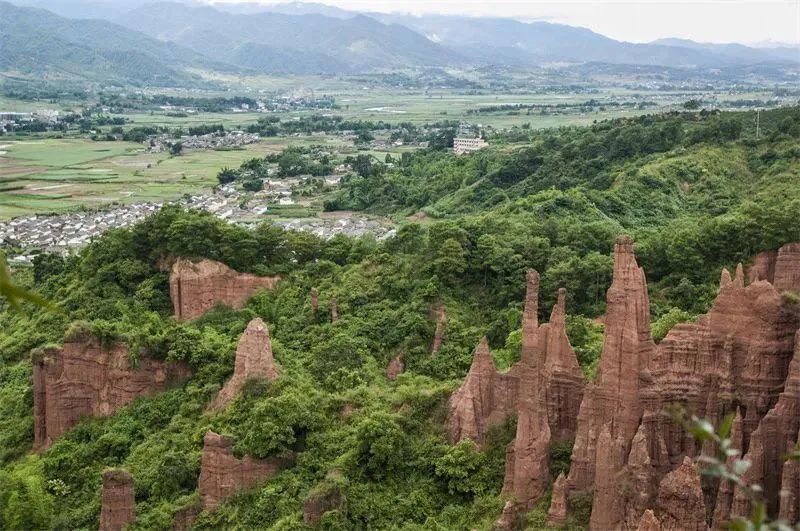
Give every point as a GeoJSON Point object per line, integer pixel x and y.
{"type": "Point", "coordinates": [697, 191]}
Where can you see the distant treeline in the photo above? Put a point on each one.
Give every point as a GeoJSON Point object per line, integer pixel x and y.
{"type": "Point", "coordinates": [543, 107]}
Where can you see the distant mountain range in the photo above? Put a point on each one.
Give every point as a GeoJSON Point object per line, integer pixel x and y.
{"type": "Point", "coordinates": [300, 44]}
{"type": "Point", "coordinates": [38, 43]}
{"type": "Point", "coordinates": [161, 43]}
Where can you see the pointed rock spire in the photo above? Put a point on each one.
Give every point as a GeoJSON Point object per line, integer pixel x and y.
{"type": "Point", "coordinates": [563, 377]}
{"type": "Point", "coordinates": [725, 281]}
{"type": "Point", "coordinates": [440, 314]}
{"type": "Point", "coordinates": [530, 318]}
{"type": "Point", "coordinates": [627, 345]}
{"type": "Point", "coordinates": [639, 474]}
{"type": "Point", "coordinates": [253, 360]}
{"type": "Point", "coordinates": [334, 310]}
{"type": "Point", "coordinates": [615, 397]}
{"type": "Point", "coordinates": [473, 403]}
{"type": "Point", "coordinates": [558, 314]}
{"type": "Point", "coordinates": [738, 280]}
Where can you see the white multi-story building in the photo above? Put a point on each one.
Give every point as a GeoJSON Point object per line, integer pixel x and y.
{"type": "Point", "coordinates": [467, 145]}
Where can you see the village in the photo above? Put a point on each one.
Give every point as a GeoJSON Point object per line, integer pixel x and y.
{"type": "Point", "coordinates": [66, 233]}
{"type": "Point", "coordinates": [218, 140]}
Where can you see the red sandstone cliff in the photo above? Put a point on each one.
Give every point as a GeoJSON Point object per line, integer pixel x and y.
{"type": "Point", "coordinates": [222, 474]}
{"type": "Point", "coordinates": [736, 357]}
{"type": "Point", "coordinates": [680, 500]}
{"type": "Point", "coordinates": [253, 360]}
{"type": "Point", "coordinates": [780, 268]}
{"type": "Point", "coordinates": [196, 287]}
{"type": "Point", "coordinates": [118, 506]}
{"type": "Point", "coordinates": [87, 379]}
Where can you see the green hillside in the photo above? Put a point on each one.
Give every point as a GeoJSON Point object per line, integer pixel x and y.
{"type": "Point", "coordinates": [696, 191]}
{"type": "Point", "coordinates": [38, 44]}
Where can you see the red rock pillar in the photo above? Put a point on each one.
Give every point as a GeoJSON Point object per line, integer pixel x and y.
{"type": "Point", "coordinates": [253, 360]}
{"type": "Point", "coordinates": [118, 508]}
{"type": "Point", "coordinates": [441, 325]}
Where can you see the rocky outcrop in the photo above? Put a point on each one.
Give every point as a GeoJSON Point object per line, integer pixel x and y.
{"type": "Point", "coordinates": [395, 368]}
{"type": "Point", "coordinates": [486, 397]}
{"type": "Point", "coordinates": [787, 268]}
{"type": "Point", "coordinates": [557, 515]}
{"type": "Point", "coordinates": [736, 358]}
{"type": "Point", "coordinates": [680, 500]}
{"type": "Point", "coordinates": [528, 455]}
{"type": "Point", "coordinates": [613, 401]}
{"type": "Point", "coordinates": [545, 350]}
{"type": "Point", "coordinates": [530, 316]}
{"type": "Point", "coordinates": [637, 482]}
{"type": "Point", "coordinates": [196, 287]}
{"type": "Point", "coordinates": [724, 501]}
{"type": "Point", "coordinates": [440, 315]}
{"type": "Point", "coordinates": [790, 487]}
{"type": "Point", "coordinates": [780, 268]}
{"type": "Point", "coordinates": [334, 310]}
{"type": "Point", "coordinates": [509, 517]}
{"type": "Point", "coordinates": [184, 518]}
{"type": "Point", "coordinates": [222, 474]}
{"type": "Point", "coordinates": [775, 437]}
{"type": "Point", "coordinates": [118, 506]}
{"type": "Point", "coordinates": [88, 379]}
{"type": "Point", "coordinates": [763, 267]}
{"type": "Point", "coordinates": [320, 502]}
{"type": "Point", "coordinates": [563, 377]}
{"type": "Point", "coordinates": [606, 506]}
{"type": "Point", "coordinates": [253, 360]}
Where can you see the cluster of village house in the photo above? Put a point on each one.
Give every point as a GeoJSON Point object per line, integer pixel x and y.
{"type": "Point", "coordinates": [64, 232]}
{"type": "Point", "coordinates": [228, 139]}
{"type": "Point", "coordinates": [10, 119]}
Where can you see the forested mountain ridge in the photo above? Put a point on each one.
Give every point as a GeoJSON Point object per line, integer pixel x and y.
{"type": "Point", "coordinates": [314, 43]}
{"type": "Point", "coordinates": [165, 39]}
{"type": "Point", "coordinates": [36, 42]}
{"type": "Point", "coordinates": [696, 191]}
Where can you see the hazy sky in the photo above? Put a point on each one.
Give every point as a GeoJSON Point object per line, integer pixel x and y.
{"type": "Point", "coordinates": [747, 21]}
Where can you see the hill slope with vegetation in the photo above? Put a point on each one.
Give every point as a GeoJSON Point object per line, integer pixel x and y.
{"type": "Point", "coordinates": [41, 44]}
{"type": "Point", "coordinates": [697, 192]}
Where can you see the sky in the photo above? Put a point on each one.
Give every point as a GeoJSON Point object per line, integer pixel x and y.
{"type": "Point", "coordinates": [744, 21]}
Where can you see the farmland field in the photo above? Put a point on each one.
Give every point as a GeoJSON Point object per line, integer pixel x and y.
{"type": "Point", "coordinates": [57, 175]}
